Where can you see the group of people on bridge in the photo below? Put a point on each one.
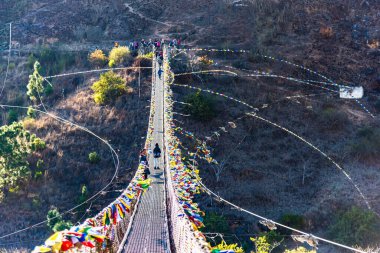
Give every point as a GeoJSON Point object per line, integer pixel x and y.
{"type": "Point", "coordinates": [144, 160]}
{"type": "Point", "coordinates": [157, 43]}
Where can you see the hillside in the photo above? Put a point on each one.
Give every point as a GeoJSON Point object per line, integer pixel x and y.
{"type": "Point", "coordinates": [265, 169]}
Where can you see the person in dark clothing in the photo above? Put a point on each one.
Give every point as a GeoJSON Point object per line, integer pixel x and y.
{"type": "Point", "coordinates": [156, 155]}
{"type": "Point", "coordinates": [146, 172]}
{"type": "Point", "coordinates": [160, 71]}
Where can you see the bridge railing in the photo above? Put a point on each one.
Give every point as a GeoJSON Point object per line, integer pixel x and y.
{"type": "Point", "coordinates": [185, 237]}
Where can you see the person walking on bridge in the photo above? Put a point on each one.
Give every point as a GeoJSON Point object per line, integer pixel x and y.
{"type": "Point", "coordinates": [160, 71]}
{"type": "Point", "coordinates": [156, 155]}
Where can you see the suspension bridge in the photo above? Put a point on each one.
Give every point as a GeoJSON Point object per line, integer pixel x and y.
{"type": "Point", "coordinates": [158, 214]}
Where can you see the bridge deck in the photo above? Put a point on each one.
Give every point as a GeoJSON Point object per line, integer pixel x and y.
{"type": "Point", "coordinates": [149, 231]}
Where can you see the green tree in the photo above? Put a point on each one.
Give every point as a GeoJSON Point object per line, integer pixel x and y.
{"type": "Point", "coordinates": [53, 217]}
{"type": "Point", "coordinates": [119, 55]}
{"type": "Point", "coordinates": [62, 225]}
{"type": "Point", "coordinates": [224, 246]}
{"type": "Point", "coordinates": [31, 113]}
{"type": "Point", "coordinates": [109, 87]}
{"type": "Point", "coordinates": [16, 144]}
{"type": "Point", "coordinates": [267, 242]}
{"type": "Point", "coordinates": [356, 227]}
{"type": "Point", "coordinates": [93, 157]}
{"type": "Point", "coordinates": [56, 221]}
{"type": "Point", "coordinates": [35, 86]}
{"type": "Point", "coordinates": [200, 107]}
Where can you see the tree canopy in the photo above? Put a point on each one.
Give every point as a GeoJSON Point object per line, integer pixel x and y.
{"type": "Point", "coordinates": [109, 86]}
{"type": "Point", "coordinates": [16, 144]}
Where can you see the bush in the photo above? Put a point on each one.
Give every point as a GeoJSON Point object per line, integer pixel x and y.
{"type": "Point", "coordinates": [62, 225]}
{"type": "Point", "coordinates": [333, 120]}
{"type": "Point", "coordinates": [98, 58]}
{"type": "Point", "coordinates": [31, 113]}
{"type": "Point", "coordinates": [223, 246]}
{"type": "Point", "coordinates": [53, 217]}
{"type": "Point", "coordinates": [366, 143]}
{"type": "Point", "coordinates": [12, 116]}
{"type": "Point", "coordinates": [200, 107]}
{"type": "Point", "coordinates": [266, 242]}
{"type": "Point", "coordinates": [55, 61]}
{"type": "Point", "coordinates": [38, 174]}
{"type": "Point", "coordinates": [93, 158]}
{"type": "Point", "coordinates": [55, 221]}
{"type": "Point", "coordinates": [293, 220]}
{"type": "Point", "coordinates": [356, 227]}
{"type": "Point", "coordinates": [216, 224]}
{"type": "Point", "coordinates": [109, 87]}
{"type": "Point", "coordinates": [111, 64]}
{"type": "Point", "coordinates": [119, 55]}
{"type": "Point", "coordinates": [48, 90]}
{"type": "Point", "coordinates": [38, 144]}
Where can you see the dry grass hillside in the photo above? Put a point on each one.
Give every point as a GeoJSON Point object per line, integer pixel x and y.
{"type": "Point", "coordinates": [270, 171]}
{"type": "Point", "coordinates": [66, 167]}
{"type": "Point", "coordinates": [267, 170]}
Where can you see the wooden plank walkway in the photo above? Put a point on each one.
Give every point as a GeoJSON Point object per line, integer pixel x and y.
{"type": "Point", "coordinates": [149, 231]}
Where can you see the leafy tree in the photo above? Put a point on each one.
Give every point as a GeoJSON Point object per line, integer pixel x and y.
{"type": "Point", "coordinates": [199, 106]}
{"type": "Point", "coordinates": [56, 221]}
{"type": "Point", "coordinates": [31, 113]}
{"type": "Point", "coordinates": [356, 227]}
{"type": "Point", "coordinates": [112, 64]}
{"type": "Point", "coordinates": [94, 158]}
{"type": "Point", "coordinates": [35, 86]}
{"type": "Point", "coordinates": [224, 246]}
{"type": "Point", "coordinates": [53, 217]}
{"type": "Point", "coordinates": [37, 144]}
{"type": "Point", "coordinates": [120, 55]}
{"type": "Point", "coordinates": [267, 242]}
{"type": "Point", "coordinates": [62, 225]}
{"type": "Point", "coordinates": [98, 58]}
{"type": "Point", "coordinates": [16, 144]}
{"type": "Point", "coordinates": [109, 86]}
